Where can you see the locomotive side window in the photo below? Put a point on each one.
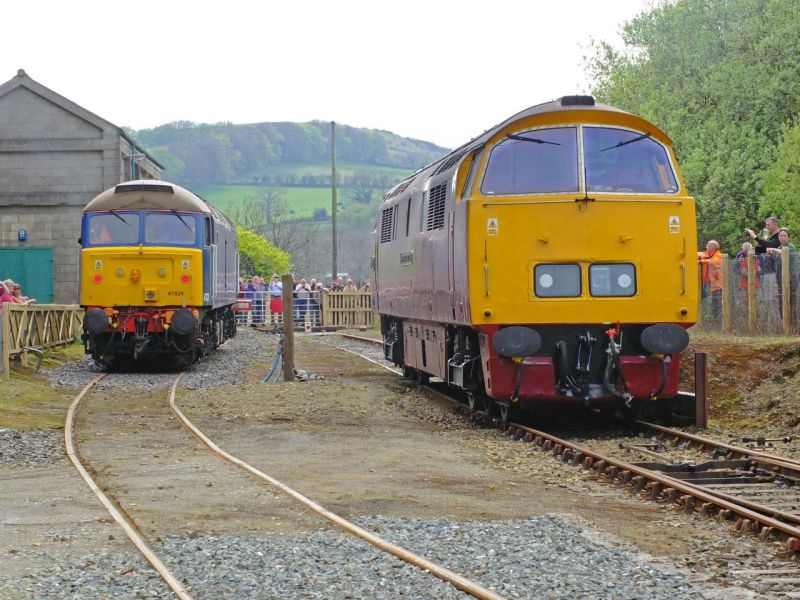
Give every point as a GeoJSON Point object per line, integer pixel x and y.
{"type": "Point", "coordinates": [169, 228]}
{"type": "Point", "coordinates": [621, 160]}
{"type": "Point", "coordinates": [557, 280]}
{"type": "Point", "coordinates": [473, 172]}
{"type": "Point", "coordinates": [617, 279]}
{"type": "Point", "coordinates": [115, 228]}
{"type": "Point", "coordinates": [539, 161]}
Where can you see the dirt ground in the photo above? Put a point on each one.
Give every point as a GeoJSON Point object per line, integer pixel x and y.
{"type": "Point", "coordinates": [360, 442]}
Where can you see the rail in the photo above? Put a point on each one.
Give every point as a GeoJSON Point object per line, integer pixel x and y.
{"type": "Point", "coordinates": [26, 328]}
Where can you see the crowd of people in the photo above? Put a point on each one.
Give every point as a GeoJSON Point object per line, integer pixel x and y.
{"type": "Point", "coordinates": [266, 298]}
{"type": "Point", "coordinates": [11, 292]}
{"type": "Point", "coordinates": [769, 250]}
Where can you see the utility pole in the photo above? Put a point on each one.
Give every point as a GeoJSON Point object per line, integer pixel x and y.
{"type": "Point", "coordinates": [334, 271]}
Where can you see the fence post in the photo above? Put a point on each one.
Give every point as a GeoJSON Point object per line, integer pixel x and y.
{"type": "Point", "coordinates": [752, 278]}
{"type": "Point", "coordinates": [786, 291]}
{"type": "Point", "coordinates": [288, 329]}
{"type": "Point", "coordinates": [5, 340]}
{"type": "Point", "coordinates": [726, 294]}
{"type": "Point", "coordinates": [700, 399]}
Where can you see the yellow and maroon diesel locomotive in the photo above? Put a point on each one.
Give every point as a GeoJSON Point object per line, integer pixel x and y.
{"type": "Point", "coordinates": [159, 274]}
{"type": "Point", "coordinates": [551, 259]}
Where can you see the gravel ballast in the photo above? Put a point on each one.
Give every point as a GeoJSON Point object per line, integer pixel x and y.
{"type": "Point", "coordinates": [544, 557]}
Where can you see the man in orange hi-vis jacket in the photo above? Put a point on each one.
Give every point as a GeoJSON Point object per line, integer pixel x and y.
{"type": "Point", "coordinates": [711, 262]}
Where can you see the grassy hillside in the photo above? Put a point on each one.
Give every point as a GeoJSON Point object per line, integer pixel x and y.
{"type": "Point", "coordinates": [303, 200]}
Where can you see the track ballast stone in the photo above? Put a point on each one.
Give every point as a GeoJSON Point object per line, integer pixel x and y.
{"type": "Point", "coordinates": [544, 557]}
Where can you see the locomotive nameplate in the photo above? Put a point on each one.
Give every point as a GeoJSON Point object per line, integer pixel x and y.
{"type": "Point", "coordinates": [406, 258]}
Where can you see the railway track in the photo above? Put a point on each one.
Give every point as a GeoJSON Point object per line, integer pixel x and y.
{"type": "Point", "coordinates": [133, 531]}
{"type": "Point", "coordinates": [757, 492]}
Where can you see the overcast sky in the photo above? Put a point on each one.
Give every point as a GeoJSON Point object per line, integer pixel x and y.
{"type": "Point", "coordinates": [441, 71]}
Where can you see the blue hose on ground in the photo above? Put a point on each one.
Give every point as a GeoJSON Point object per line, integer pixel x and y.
{"type": "Point", "coordinates": [278, 356]}
{"type": "Point", "coordinates": [280, 372]}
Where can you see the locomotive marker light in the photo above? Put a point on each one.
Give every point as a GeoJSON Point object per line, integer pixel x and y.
{"type": "Point", "coordinates": [517, 343]}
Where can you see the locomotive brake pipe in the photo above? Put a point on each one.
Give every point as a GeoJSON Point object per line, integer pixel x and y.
{"type": "Point", "coordinates": [454, 579]}
{"type": "Point", "coordinates": [173, 582]}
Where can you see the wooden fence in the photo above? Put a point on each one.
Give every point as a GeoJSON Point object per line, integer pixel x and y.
{"type": "Point", "coordinates": [36, 327]}
{"type": "Point", "coordinates": [753, 303]}
{"type": "Point", "coordinates": [347, 309]}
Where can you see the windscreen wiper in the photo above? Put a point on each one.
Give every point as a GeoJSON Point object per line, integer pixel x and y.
{"type": "Point", "coordinates": [177, 214]}
{"type": "Point", "coordinates": [626, 142]}
{"type": "Point", "coordinates": [521, 138]}
{"type": "Point", "coordinates": [116, 214]}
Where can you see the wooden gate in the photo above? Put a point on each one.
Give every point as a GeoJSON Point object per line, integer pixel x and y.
{"type": "Point", "coordinates": [37, 326]}
{"type": "Point", "coordinates": [347, 309]}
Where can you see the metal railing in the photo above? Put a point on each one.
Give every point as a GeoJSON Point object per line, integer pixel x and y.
{"type": "Point", "coordinates": [34, 327]}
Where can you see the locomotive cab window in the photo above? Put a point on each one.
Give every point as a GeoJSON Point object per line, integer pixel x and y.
{"type": "Point", "coordinates": [538, 161]}
{"type": "Point", "coordinates": [557, 280]}
{"type": "Point", "coordinates": [617, 279]}
{"type": "Point", "coordinates": [169, 228]}
{"type": "Point", "coordinates": [621, 160]}
{"type": "Point", "coordinates": [115, 228]}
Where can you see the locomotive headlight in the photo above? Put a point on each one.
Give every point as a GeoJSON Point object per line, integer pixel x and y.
{"type": "Point", "coordinates": [612, 279]}
{"type": "Point", "coordinates": [556, 280]}
{"type": "Point", "coordinates": [120, 272]}
{"type": "Point", "coordinates": [162, 272]}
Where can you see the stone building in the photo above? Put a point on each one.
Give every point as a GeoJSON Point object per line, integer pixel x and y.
{"type": "Point", "coordinates": [55, 156]}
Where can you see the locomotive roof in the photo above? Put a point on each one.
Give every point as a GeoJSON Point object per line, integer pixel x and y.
{"type": "Point", "coordinates": [148, 194]}
{"type": "Point", "coordinates": [564, 104]}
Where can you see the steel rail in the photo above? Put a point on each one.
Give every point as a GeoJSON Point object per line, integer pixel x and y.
{"type": "Point", "coordinates": [462, 583]}
{"type": "Point", "coordinates": [747, 511]}
{"type": "Point", "coordinates": [785, 462]}
{"type": "Point", "coordinates": [173, 582]}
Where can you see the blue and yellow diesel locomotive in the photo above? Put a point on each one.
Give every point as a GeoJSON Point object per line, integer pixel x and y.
{"type": "Point", "coordinates": [159, 273]}
{"type": "Point", "coordinates": [550, 259]}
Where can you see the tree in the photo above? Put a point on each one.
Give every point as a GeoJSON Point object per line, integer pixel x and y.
{"type": "Point", "coordinates": [258, 256]}
{"type": "Point", "coordinates": [271, 216]}
{"type": "Point", "coordinates": [366, 186]}
{"type": "Point", "coordinates": [721, 78]}
{"type": "Point", "coordinates": [781, 182]}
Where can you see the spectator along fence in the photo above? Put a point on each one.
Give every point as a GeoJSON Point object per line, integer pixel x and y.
{"type": "Point", "coordinates": [35, 327]}
{"type": "Point", "coordinates": [312, 309]}
{"type": "Point", "coordinates": [754, 302]}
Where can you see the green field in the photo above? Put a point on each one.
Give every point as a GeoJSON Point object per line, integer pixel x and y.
{"type": "Point", "coordinates": [303, 201]}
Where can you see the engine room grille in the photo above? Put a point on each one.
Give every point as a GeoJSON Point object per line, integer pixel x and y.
{"type": "Point", "coordinates": [448, 164]}
{"type": "Point", "coordinates": [388, 218]}
{"type": "Point", "coordinates": [398, 190]}
{"type": "Point", "coordinates": [436, 198]}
